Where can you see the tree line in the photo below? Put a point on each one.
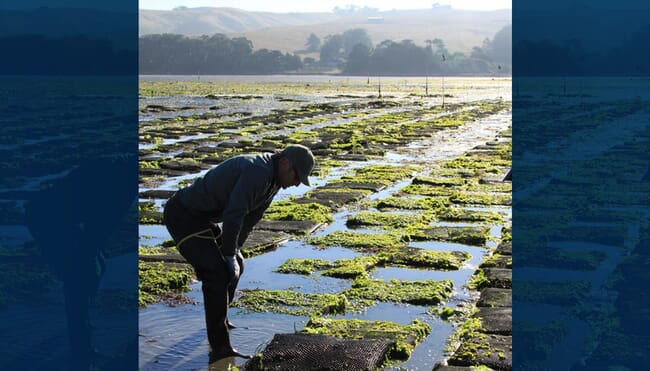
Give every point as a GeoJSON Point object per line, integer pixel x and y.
{"type": "Point", "coordinates": [352, 52]}
{"type": "Point", "coordinates": [210, 55]}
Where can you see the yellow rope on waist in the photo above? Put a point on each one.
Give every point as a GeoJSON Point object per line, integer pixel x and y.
{"type": "Point", "coordinates": [199, 234]}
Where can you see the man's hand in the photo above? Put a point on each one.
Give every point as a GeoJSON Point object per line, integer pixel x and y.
{"type": "Point", "coordinates": [233, 267]}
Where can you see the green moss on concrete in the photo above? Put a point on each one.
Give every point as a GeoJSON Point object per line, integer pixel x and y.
{"type": "Point", "coordinates": [361, 266]}
{"type": "Point", "coordinates": [291, 302]}
{"type": "Point", "coordinates": [497, 261]}
{"type": "Point", "coordinates": [158, 281]}
{"type": "Point", "coordinates": [388, 220]}
{"type": "Point", "coordinates": [148, 213]}
{"type": "Point", "coordinates": [289, 210]}
{"type": "Point", "coordinates": [356, 240]}
{"type": "Point", "coordinates": [427, 190]}
{"type": "Point", "coordinates": [303, 266]}
{"type": "Point", "coordinates": [471, 198]}
{"type": "Point", "coordinates": [158, 250]}
{"type": "Point", "coordinates": [469, 216]}
{"type": "Point", "coordinates": [383, 174]}
{"type": "Point", "coordinates": [423, 258]}
{"type": "Point", "coordinates": [352, 268]}
{"type": "Point", "coordinates": [428, 292]}
{"type": "Point", "coordinates": [410, 203]}
{"type": "Point", "coordinates": [475, 236]}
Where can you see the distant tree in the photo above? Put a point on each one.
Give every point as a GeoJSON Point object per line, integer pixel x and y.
{"type": "Point", "coordinates": [358, 61]}
{"type": "Point", "coordinates": [332, 49]}
{"type": "Point", "coordinates": [313, 43]}
{"type": "Point", "coordinates": [403, 58]}
{"type": "Point", "coordinates": [354, 37]}
{"type": "Point", "coordinates": [290, 62]}
{"type": "Point", "coordinates": [500, 49]}
{"type": "Point", "coordinates": [479, 53]}
{"type": "Point", "coordinates": [438, 47]}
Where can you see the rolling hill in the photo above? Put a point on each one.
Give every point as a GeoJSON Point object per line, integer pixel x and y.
{"type": "Point", "coordinates": [459, 29]}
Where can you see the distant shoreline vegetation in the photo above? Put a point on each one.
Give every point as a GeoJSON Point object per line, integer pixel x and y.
{"type": "Point", "coordinates": [350, 53]}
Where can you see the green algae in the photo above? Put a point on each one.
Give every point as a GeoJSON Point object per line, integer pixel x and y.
{"type": "Point", "coordinates": [356, 240]}
{"type": "Point", "coordinates": [148, 213]}
{"type": "Point", "coordinates": [497, 261]}
{"type": "Point", "coordinates": [324, 167]}
{"type": "Point", "coordinates": [376, 242]}
{"type": "Point", "coordinates": [158, 281]}
{"type": "Point", "coordinates": [462, 215]}
{"type": "Point", "coordinates": [158, 250]}
{"type": "Point", "coordinates": [445, 313]}
{"type": "Point", "coordinates": [382, 174]}
{"type": "Point", "coordinates": [352, 268]}
{"type": "Point", "coordinates": [388, 220]}
{"type": "Point", "coordinates": [360, 266]}
{"type": "Point", "coordinates": [410, 203]}
{"type": "Point", "coordinates": [303, 266]}
{"type": "Point", "coordinates": [335, 198]}
{"type": "Point", "coordinates": [290, 302]}
{"type": "Point", "coordinates": [149, 165]}
{"type": "Point", "coordinates": [427, 292]}
{"type": "Point", "coordinates": [506, 234]}
{"type": "Point", "coordinates": [471, 198]}
{"type": "Point", "coordinates": [396, 221]}
{"type": "Point", "coordinates": [427, 190]}
{"type": "Point", "coordinates": [185, 182]}
{"type": "Point", "coordinates": [475, 236]}
{"type": "Point", "coordinates": [406, 337]}
{"type": "Point", "coordinates": [423, 258]}
{"type": "Point", "coordinates": [476, 346]}
{"type": "Point", "coordinates": [188, 164]}
{"type": "Point", "coordinates": [486, 165]}
{"type": "Point", "coordinates": [498, 188]}
{"type": "Point", "coordinates": [289, 210]}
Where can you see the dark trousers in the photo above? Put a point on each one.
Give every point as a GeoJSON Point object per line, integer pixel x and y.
{"type": "Point", "coordinates": [205, 256]}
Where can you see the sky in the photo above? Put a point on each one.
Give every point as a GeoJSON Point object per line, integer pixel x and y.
{"type": "Point", "coordinates": [286, 6]}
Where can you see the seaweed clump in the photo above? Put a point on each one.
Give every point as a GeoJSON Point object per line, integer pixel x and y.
{"type": "Point", "coordinates": [288, 210]}
{"type": "Point", "coordinates": [427, 292]}
{"type": "Point", "coordinates": [291, 302]}
{"type": "Point", "coordinates": [158, 281]}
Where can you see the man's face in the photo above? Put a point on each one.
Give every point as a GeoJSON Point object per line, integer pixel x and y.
{"type": "Point", "coordinates": [287, 175]}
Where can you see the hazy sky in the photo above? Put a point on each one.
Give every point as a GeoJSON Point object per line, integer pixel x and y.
{"type": "Point", "coordinates": [284, 6]}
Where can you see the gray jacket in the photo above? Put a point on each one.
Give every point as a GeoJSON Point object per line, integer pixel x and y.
{"type": "Point", "coordinates": [236, 192]}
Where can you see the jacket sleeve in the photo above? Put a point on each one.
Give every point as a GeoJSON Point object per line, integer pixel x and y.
{"type": "Point", "coordinates": [250, 221]}
{"type": "Point", "coordinates": [249, 187]}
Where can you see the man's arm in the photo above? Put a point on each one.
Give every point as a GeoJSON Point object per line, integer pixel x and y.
{"type": "Point", "coordinates": [250, 221]}
{"type": "Point", "coordinates": [249, 187]}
